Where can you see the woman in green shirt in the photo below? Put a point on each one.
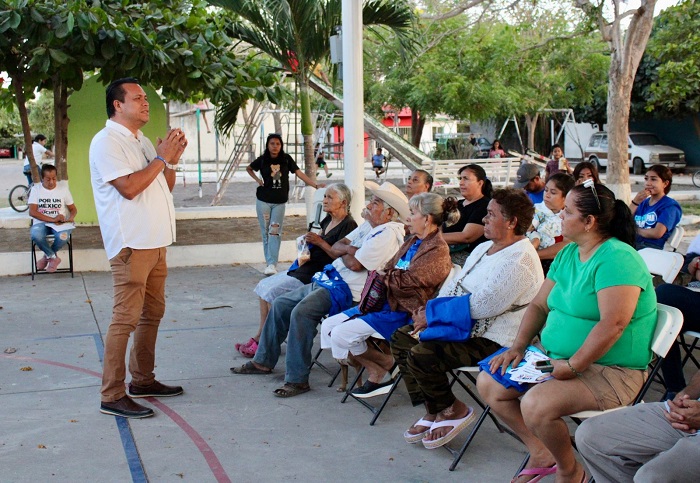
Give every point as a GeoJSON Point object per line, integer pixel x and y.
{"type": "Point", "coordinates": [596, 313]}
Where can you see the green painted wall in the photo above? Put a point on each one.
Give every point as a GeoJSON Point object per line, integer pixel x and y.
{"type": "Point", "coordinates": [87, 114]}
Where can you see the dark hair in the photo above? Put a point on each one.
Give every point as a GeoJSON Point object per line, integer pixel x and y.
{"type": "Point", "coordinates": [514, 203]}
{"type": "Point", "coordinates": [614, 217]}
{"type": "Point", "coordinates": [115, 92]}
{"type": "Point", "coordinates": [665, 174]}
{"type": "Point", "coordinates": [563, 181]}
{"type": "Point", "coordinates": [45, 168]}
{"type": "Point", "coordinates": [554, 146]}
{"type": "Point", "coordinates": [586, 165]}
{"type": "Point", "coordinates": [39, 137]}
{"type": "Point", "coordinates": [428, 178]}
{"type": "Point", "coordinates": [487, 187]}
{"type": "Point", "coordinates": [277, 136]}
{"type": "Point", "coordinates": [493, 144]}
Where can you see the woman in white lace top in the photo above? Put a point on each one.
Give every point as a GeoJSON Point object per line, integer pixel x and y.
{"type": "Point", "coordinates": [501, 277]}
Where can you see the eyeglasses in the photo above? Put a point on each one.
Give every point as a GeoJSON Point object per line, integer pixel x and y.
{"type": "Point", "coordinates": [589, 183]}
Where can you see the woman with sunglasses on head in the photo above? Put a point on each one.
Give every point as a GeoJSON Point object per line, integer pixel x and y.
{"type": "Point", "coordinates": [595, 315]}
{"type": "Point", "coordinates": [272, 194]}
{"type": "Point", "coordinates": [655, 214]}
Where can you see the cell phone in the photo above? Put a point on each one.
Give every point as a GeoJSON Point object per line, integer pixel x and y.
{"type": "Point", "coordinates": [544, 366]}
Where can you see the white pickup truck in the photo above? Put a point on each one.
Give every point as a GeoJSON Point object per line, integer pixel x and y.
{"type": "Point", "coordinates": [645, 149]}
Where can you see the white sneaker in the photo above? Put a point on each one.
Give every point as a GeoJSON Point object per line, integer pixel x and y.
{"type": "Point", "coordinates": [270, 270]}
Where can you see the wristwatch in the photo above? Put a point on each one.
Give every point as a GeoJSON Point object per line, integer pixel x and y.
{"type": "Point", "coordinates": [167, 165]}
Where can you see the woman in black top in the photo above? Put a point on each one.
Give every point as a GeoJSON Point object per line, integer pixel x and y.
{"type": "Point", "coordinates": [468, 232]}
{"type": "Point", "coordinates": [334, 227]}
{"type": "Point", "coordinates": [272, 195]}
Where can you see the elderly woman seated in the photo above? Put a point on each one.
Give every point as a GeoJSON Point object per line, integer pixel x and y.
{"type": "Point", "coordinates": [596, 312]}
{"type": "Point", "coordinates": [411, 278]}
{"type": "Point", "coordinates": [498, 280]}
{"type": "Point", "coordinates": [334, 227]}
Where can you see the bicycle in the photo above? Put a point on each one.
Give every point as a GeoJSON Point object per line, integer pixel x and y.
{"type": "Point", "coordinates": [19, 198]}
{"type": "Point", "coordinates": [696, 178]}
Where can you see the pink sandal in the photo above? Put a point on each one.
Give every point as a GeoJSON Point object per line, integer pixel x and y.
{"type": "Point", "coordinates": [248, 349]}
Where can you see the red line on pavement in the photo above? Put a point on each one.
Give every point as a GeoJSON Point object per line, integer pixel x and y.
{"type": "Point", "coordinates": [209, 456]}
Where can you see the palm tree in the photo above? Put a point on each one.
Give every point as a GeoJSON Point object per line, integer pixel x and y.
{"type": "Point", "coordinates": [296, 33]}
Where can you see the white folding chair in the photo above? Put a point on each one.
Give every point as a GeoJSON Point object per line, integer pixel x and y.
{"type": "Point", "coordinates": [675, 238]}
{"type": "Point", "coordinates": [669, 322]}
{"type": "Point", "coordinates": [660, 262]}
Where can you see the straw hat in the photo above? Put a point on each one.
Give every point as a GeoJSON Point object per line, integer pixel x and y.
{"type": "Point", "coordinates": [392, 196]}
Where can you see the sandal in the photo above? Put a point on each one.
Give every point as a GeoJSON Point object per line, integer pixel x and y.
{"type": "Point", "coordinates": [249, 368]}
{"type": "Point", "coordinates": [248, 349]}
{"type": "Point", "coordinates": [291, 389]}
{"type": "Point", "coordinates": [412, 438]}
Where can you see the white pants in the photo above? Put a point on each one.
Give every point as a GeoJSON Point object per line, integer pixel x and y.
{"type": "Point", "coordinates": [343, 336]}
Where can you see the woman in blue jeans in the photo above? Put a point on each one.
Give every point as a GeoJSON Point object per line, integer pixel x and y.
{"type": "Point", "coordinates": [274, 167]}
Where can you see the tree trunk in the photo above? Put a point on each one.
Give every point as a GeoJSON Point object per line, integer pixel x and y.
{"type": "Point", "coordinates": [618, 175]}
{"type": "Point", "coordinates": [26, 130]}
{"type": "Point", "coordinates": [307, 128]}
{"type": "Point", "coordinates": [277, 119]}
{"type": "Point", "coordinates": [60, 109]}
{"type": "Point", "coordinates": [531, 124]}
{"type": "Point", "coordinates": [417, 125]}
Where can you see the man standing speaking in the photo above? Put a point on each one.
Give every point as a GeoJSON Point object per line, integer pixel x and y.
{"type": "Point", "coordinates": [132, 183]}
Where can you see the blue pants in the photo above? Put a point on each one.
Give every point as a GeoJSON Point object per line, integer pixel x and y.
{"type": "Point", "coordinates": [39, 232]}
{"type": "Point", "coordinates": [293, 316]}
{"type": "Point", "coordinates": [687, 301]}
{"type": "Point", "coordinates": [270, 218]}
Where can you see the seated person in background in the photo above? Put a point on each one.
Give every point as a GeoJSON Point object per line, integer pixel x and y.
{"type": "Point", "coordinates": [40, 153]}
{"type": "Point", "coordinates": [585, 170]}
{"type": "Point", "coordinates": [528, 178]}
{"type": "Point", "coordinates": [645, 442]}
{"type": "Point", "coordinates": [411, 277]}
{"type": "Point", "coordinates": [334, 227]}
{"type": "Point", "coordinates": [378, 163]}
{"type": "Point", "coordinates": [499, 278]}
{"type": "Point", "coordinates": [595, 315]}
{"type": "Point", "coordinates": [467, 232]}
{"type": "Point", "coordinates": [420, 181]}
{"type": "Point", "coordinates": [295, 316]}
{"type": "Point", "coordinates": [321, 163]}
{"type": "Point", "coordinates": [655, 214]}
{"type": "Point", "coordinates": [497, 150]}
{"type": "Point", "coordinates": [557, 163]}
{"type": "Point", "coordinates": [545, 232]}
{"type": "Point", "coordinates": [53, 212]}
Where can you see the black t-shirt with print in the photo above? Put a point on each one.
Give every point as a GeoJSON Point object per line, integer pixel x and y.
{"type": "Point", "coordinates": [275, 176]}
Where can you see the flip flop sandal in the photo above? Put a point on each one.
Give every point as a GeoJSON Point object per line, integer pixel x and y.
{"type": "Point", "coordinates": [291, 389]}
{"type": "Point", "coordinates": [249, 368]}
{"type": "Point", "coordinates": [538, 473]}
{"type": "Point", "coordinates": [458, 425]}
{"type": "Point", "coordinates": [249, 350]}
{"type": "Point", "coordinates": [412, 438]}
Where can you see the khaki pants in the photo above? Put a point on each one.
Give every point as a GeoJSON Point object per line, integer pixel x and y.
{"type": "Point", "coordinates": [139, 304]}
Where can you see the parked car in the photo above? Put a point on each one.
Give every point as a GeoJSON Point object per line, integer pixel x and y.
{"type": "Point", "coordinates": [5, 152]}
{"type": "Point", "coordinates": [645, 149]}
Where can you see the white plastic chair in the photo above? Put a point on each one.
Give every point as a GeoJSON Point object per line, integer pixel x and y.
{"type": "Point", "coordinates": [660, 262]}
{"type": "Point", "coordinates": [317, 213]}
{"type": "Point", "coordinates": [674, 240]}
{"type": "Point", "coordinates": [669, 322]}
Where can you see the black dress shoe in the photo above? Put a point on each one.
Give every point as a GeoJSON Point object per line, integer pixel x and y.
{"type": "Point", "coordinates": [126, 408]}
{"type": "Point", "coordinates": [156, 389]}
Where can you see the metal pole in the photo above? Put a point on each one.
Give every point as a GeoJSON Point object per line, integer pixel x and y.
{"type": "Point", "coordinates": [199, 153]}
{"type": "Point", "coordinates": [353, 104]}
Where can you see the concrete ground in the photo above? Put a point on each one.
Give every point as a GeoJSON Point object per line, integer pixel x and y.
{"type": "Point", "coordinates": [224, 428]}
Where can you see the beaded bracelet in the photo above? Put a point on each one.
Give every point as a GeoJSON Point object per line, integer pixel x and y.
{"type": "Point", "coordinates": [578, 374]}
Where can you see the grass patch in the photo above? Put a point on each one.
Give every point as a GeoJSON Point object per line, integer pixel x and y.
{"type": "Point", "coordinates": [690, 208]}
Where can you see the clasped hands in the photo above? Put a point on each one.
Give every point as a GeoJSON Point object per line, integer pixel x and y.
{"type": "Point", "coordinates": [172, 147]}
{"type": "Point", "coordinates": [684, 413]}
